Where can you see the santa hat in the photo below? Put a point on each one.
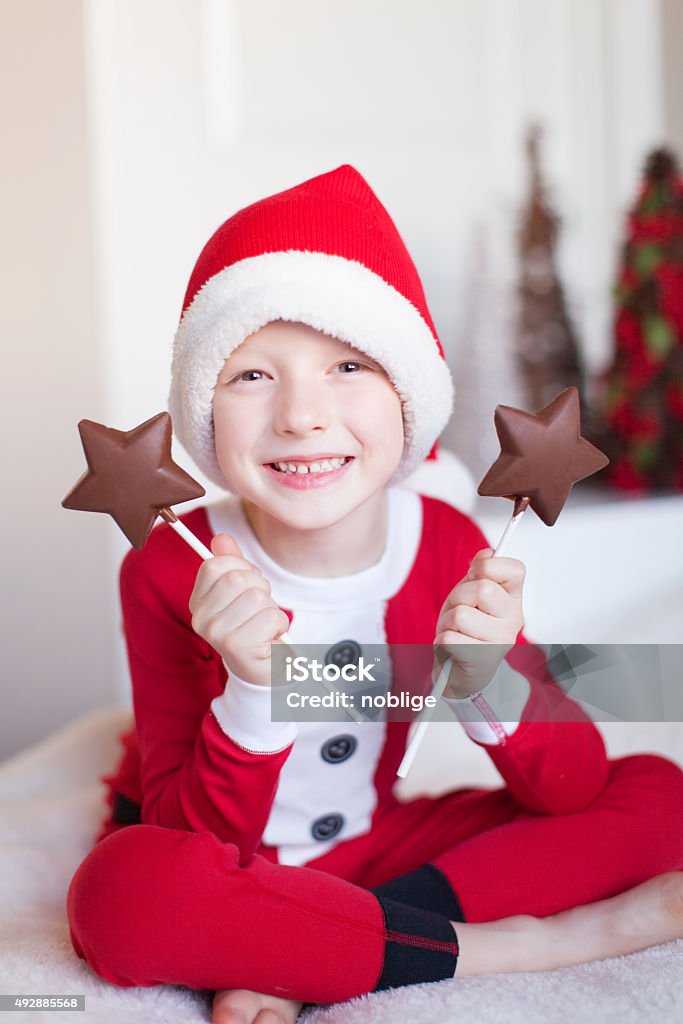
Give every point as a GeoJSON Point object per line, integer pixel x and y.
{"type": "Point", "coordinates": [327, 254]}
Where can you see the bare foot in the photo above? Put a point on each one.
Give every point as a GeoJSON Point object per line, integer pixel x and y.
{"type": "Point", "coordinates": [241, 1006]}
{"type": "Point", "coordinates": [649, 914]}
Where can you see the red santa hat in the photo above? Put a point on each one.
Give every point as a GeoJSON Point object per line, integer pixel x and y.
{"type": "Point", "coordinates": [327, 254]}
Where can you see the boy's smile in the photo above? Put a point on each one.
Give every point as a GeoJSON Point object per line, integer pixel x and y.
{"type": "Point", "coordinates": [296, 411]}
{"type": "Point", "coordinates": [318, 470]}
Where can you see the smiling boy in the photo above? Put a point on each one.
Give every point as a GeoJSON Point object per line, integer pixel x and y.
{"type": "Point", "coordinates": [309, 381]}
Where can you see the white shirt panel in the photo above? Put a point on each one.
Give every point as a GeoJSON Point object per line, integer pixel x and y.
{"type": "Point", "coordinates": [326, 610]}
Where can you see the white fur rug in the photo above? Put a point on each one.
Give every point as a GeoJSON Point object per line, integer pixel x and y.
{"type": "Point", "coordinates": [50, 804]}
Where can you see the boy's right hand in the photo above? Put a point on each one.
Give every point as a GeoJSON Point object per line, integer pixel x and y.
{"type": "Point", "coordinates": [232, 610]}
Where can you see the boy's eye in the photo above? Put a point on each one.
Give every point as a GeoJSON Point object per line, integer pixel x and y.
{"type": "Point", "coordinates": [248, 375]}
{"type": "Point", "coordinates": [354, 366]}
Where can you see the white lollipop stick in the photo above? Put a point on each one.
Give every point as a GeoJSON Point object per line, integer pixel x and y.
{"type": "Point", "coordinates": [520, 507]}
{"type": "Point", "coordinates": [169, 516]}
{"type": "Point", "coordinates": [521, 504]}
{"type": "Point", "coordinates": [423, 722]}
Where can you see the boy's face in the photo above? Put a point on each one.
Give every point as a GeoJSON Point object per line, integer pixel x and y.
{"type": "Point", "coordinates": [293, 395]}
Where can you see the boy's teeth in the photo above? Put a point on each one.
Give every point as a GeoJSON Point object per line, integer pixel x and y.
{"type": "Point", "coordinates": [324, 466]}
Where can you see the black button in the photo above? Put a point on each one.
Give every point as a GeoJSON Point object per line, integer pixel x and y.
{"type": "Point", "coordinates": [328, 826]}
{"type": "Point", "coordinates": [346, 652]}
{"type": "Point", "coordinates": [338, 749]}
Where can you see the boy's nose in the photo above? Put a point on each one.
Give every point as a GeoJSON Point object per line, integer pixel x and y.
{"type": "Point", "coordinates": [301, 408]}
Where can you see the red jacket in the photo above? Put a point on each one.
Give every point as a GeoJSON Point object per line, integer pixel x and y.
{"type": "Point", "coordinates": [186, 773]}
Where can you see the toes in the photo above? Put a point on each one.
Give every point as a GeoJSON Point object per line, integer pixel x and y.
{"type": "Point", "coordinates": [240, 1006]}
{"type": "Point", "coordinates": [233, 1008]}
{"type": "Point", "coordinates": [224, 1015]}
{"type": "Point", "coordinates": [268, 1016]}
{"type": "Point", "coordinates": [231, 1015]}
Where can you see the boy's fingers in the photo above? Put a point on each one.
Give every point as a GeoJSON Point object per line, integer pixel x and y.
{"type": "Point", "coordinates": [224, 544]}
{"type": "Point", "coordinates": [211, 571]}
{"type": "Point", "coordinates": [486, 595]}
{"type": "Point", "coordinates": [228, 589]}
{"type": "Point", "coordinates": [476, 562]}
{"type": "Point", "coordinates": [263, 627]}
{"type": "Point", "coordinates": [509, 572]}
{"type": "Point", "coordinates": [474, 625]}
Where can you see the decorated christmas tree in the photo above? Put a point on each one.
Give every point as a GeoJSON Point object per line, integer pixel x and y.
{"type": "Point", "coordinates": [642, 393]}
{"type": "Point", "coordinates": [547, 351]}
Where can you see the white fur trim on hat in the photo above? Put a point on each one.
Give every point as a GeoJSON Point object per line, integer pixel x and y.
{"type": "Point", "coordinates": [339, 297]}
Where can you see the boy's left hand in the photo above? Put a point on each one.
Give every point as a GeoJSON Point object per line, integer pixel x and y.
{"type": "Point", "coordinates": [479, 622]}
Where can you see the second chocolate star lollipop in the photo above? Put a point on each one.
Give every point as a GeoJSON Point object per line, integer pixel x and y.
{"type": "Point", "coordinates": [541, 456]}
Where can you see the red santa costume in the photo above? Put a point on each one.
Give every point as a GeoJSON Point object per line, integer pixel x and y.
{"type": "Point", "coordinates": [242, 852]}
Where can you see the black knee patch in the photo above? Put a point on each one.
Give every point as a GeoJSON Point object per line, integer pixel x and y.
{"type": "Point", "coordinates": [420, 946]}
{"type": "Point", "coordinates": [427, 888]}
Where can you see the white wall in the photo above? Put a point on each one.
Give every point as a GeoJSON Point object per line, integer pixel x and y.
{"type": "Point", "coordinates": [671, 17]}
{"type": "Point", "coordinates": [58, 597]}
{"type": "Point", "coordinates": [195, 108]}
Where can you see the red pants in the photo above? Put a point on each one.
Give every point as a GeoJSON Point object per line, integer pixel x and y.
{"type": "Point", "coordinates": [151, 905]}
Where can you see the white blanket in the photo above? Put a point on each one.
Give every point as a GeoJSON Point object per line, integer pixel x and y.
{"type": "Point", "coordinates": [50, 806]}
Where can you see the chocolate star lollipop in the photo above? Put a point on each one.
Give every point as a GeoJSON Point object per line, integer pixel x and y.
{"type": "Point", "coordinates": [542, 455]}
{"type": "Point", "coordinates": [132, 477]}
